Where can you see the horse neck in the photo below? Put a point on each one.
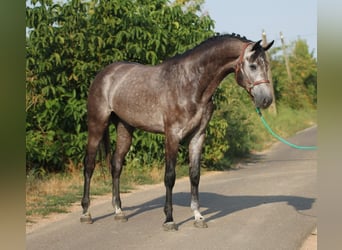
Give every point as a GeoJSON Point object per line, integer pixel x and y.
{"type": "Point", "coordinates": [214, 65]}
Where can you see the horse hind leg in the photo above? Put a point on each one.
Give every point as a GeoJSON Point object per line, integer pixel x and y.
{"type": "Point", "coordinates": [123, 143]}
{"type": "Point", "coordinates": [171, 150]}
{"type": "Point", "coordinates": [96, 130]}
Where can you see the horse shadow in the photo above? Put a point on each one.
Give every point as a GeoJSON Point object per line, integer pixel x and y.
{"type": "Point", "coordinates": [215, 206]}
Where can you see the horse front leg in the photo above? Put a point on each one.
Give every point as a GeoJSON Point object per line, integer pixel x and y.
{"type": "Point", "coordinates": [195, 150]}
{"type": "Point", "coordinates": [171, 150]}
{"type": "Point", "coordinates": [123, 143]}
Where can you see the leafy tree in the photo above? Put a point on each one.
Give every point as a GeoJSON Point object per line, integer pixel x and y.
{"type": "Point", "coordinates": [304, 67]}
{"type": "Point", "coordinates": [302, 91]}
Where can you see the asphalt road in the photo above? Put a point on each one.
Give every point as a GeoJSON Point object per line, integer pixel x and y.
{"type": "Point", "coordinates": [269, 202]}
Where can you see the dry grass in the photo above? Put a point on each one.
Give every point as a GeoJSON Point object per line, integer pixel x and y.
{"type": "Point", "coordinates": [53, 193]}
{"type": "Point", "coordinates": [156, 174]}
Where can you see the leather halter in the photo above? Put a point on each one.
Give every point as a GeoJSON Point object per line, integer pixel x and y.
{"type": "Point", "coordinates": [238, 68]}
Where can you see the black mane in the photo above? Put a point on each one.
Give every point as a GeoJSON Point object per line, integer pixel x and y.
{"type": "Point", "coordinates": [226, 36]}
{"type": "Point", "coordinates": [210, 42]}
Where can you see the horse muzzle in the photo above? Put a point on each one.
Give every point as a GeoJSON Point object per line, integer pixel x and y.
{"type": "Point", "coordinates": [262, 95]}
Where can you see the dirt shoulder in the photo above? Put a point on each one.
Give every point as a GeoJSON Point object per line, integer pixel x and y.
{"type": "Point", "coordinates": [311, 242]}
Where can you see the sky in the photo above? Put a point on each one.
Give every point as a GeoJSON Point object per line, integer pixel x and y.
{"type": "Point", "coordinates": [294, 18]}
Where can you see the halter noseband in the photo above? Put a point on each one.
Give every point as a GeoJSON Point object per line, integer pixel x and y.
{"type": "Point", "coordinates": [238, 68]}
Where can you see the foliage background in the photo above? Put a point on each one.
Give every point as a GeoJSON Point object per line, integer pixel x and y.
{"type": "Point", "coordinates": [68, 43]}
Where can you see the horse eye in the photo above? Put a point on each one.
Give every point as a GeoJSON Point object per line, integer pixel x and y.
{"type": "Point", "coordinates": [253, 66]}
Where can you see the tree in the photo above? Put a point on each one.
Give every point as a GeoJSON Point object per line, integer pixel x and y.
{"type": "Point", "coordinates": [302, 91]}
{"type": "Point", "coordinates": [304, 67]}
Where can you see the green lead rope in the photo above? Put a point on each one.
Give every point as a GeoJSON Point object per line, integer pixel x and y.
{"type": "Point", "coordinates": [280, 138]}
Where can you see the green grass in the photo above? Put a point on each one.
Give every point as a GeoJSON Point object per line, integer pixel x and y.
{"type": "Point", "coordinates": [53, 204]}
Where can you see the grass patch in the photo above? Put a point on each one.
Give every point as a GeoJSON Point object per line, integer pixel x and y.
{"type": "Point", "coordinates": [52, 204]}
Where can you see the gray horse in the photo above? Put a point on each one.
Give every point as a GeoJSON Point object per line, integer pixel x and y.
{"type": "Point", "coordinates": [173, 98]}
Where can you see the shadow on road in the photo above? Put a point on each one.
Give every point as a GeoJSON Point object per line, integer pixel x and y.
{"type": "Point", "coordinates": [215, 206]}
{"type": "Point", "coordinates": [264, 158]}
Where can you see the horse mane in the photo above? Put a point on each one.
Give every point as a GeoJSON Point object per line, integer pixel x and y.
{"type": "Point", "coordinates": [226, 36]}
{"type": "Point", "coordinates": [210, 42]}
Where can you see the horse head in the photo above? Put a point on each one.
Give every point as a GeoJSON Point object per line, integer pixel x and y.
{"type": "Point", "coordinates": [251, 73]}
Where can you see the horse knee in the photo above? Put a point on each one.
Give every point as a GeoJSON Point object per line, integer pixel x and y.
{"type": "Point", "coordinates": [89, 162]}
{"type": "Point", "coordinates": [116, 166]}
{"type": "Point", "coordinates": [194, 174]}
{"type": "Point", "coordinates": [170, 178]}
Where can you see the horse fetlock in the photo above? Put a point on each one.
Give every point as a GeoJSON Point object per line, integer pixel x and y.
{"type": "Point", "coordinates": [198, 215]}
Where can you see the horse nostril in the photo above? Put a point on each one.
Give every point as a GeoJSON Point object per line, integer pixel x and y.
{"type": "Point", "coordinates": [267, 102]}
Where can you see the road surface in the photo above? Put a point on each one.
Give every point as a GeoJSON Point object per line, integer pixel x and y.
{"type": "Point", "coordinates": [268, 202]}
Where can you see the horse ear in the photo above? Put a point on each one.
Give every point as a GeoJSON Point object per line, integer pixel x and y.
{"type": "Point", "coordinates": [268, 46]}
{"type": "Point", "coordinates": [256, 45]}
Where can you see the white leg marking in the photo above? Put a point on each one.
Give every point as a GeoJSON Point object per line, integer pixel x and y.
{"type": "Point", "coordinates": [198, 215]}
{"type": "Point", "coordinates": [195, 208]}
{"type": "Point", "coordinates": [118, 210]}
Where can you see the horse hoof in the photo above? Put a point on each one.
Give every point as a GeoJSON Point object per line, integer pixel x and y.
{"type": "Point", "coordinates": [86, 218]}
{"type": "Point", "coordinates": [120, 217]}
{"type": "Point", "coordinates": [170, 226]}
{"type": "Point", "coordinates": [200, 223]}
